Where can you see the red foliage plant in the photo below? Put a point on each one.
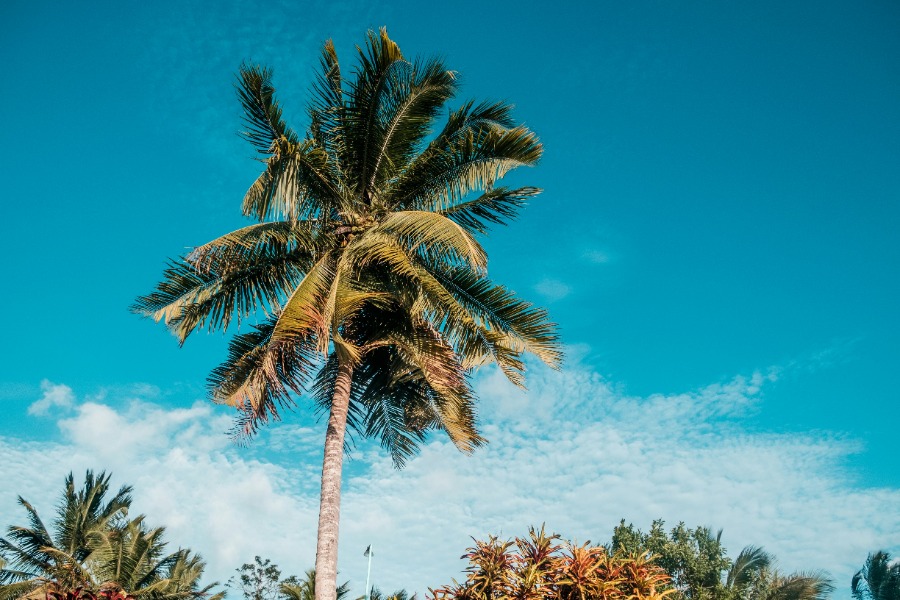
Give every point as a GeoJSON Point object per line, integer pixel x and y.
{"type": "Point", "coordinates": [543, 567]}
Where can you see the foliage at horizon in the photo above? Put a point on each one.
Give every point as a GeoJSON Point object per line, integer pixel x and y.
{"type": "Point", "coordinates": [878, 579]}
{"type": "Point", "coordinates": [377, 594]}
{"type": "Point", "coordinates": [700, 568]}
{"type": "Point", "coordinates": [294, 588]}
{"type": "Point", "coordinates": [261, 580]}
{"type": "Point", "coordinates": [541, 566]}
{"type": "Point", "coordinates": [93, 550]}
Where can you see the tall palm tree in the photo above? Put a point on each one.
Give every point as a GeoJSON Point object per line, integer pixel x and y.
{"type": "Point", "coordinates": [364, 265]}
{"type": "Point", "coordinates": [879, 579]}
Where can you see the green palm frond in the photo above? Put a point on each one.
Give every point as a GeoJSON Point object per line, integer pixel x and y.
{"type": "Point", "coordinates": [234, 276]}
{"type": "Point", "coordinates": [24, 547]}
{"type": "Point", "coordinates": [469, 163]}
{"type": "Point", "coordinates": [237, 249]}
{"type": "Point", "coordinates": [800, 586]}
{"type": "Point", "coordinates": [326, 111]}
{"type": "Point", "coordinates": [259, 375]}
{"type": "Point", "coordinates": [305, 589]}
{"type": "Point", "coordinates": [20, 589]}
{"type": "Point", "coordinates": [381, 66]}
{"type": "Point", "coordinates": [405, 116]}
{"type": "Point", "coordinates": [746, 566]}
{"type": "Point", "coordinates": [470, 119]}
{"type": "Point", "coordinates": [307, 309]}
{"type": "Point", "coordinates": [434, 236]}
{"type": "Point", "coordinates": [83, 512]}
{"type": "Point", "coordinates": [879, 578]}
{"type": "Point", "coordinates": [499, 310]}
{"type": "Point", "coordinates": [300, 182]}
{"type": "Point", "coordinates": [91, 546]}
{"type": "Point", "coordinates": [497, 206]}
{"type": "Point", "coordinates": [262, 113]}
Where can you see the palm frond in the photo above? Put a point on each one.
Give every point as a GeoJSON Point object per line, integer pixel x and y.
{"type": "Point", "coordinates": [262, 113]}
{"type": "Point", "coordinates": [19, 589]}
{"type": "Point", "coordinates": [259, 375]}
{"type": "Point", "coordinates": [304, 314]}
{"type": "Point", "coordinates": [433, 235]}
{"type": "Point", "coordinates": [410, 104]}
{"type": "Point", "coordinates": [748, 563]}
{"type": "Point", "coordinates": [300, 182]}
{"type": "Point", "coordinates": [381, 65]}
{"type": "Point", "coordinates": [497, 206]}
{"type": "Point", "coordinates": [470, 162]}
{"type": "Point", "coordinates": [326, 110]}
{"type": "Point", "coordinates": [234, 276]}
{"type": "Point", "coordinates": [500, 310]}
{"type": "Point", "coordinates": [801, 586]}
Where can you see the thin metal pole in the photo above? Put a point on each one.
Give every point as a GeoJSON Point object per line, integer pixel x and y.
{"type": "Point", "coordinates": [369, 553]}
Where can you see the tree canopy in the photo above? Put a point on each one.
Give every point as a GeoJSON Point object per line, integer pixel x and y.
{"type": "Point", "coordinates": [92, 546]}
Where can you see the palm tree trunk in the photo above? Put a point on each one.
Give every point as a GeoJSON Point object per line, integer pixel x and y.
{"type": "Point", "coordinates": [330, 503]}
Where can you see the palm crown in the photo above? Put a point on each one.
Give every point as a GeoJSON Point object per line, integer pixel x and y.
{"type": "Point", "coordinates": [366, 247]}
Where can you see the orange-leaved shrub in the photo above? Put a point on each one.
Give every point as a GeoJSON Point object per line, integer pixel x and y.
{"type": "Point", "coordinates": [545, 567]}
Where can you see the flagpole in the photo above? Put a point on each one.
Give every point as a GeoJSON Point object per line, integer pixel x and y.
{"type": "Point", "coordinates": [369, 553]}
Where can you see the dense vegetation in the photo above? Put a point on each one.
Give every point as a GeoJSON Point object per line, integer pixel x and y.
{"type": "Point", "coordinates": [542, 567]}
{"type": "Point", "coordinates": [878, 579]}
{"type": "Point", "coordinates": [700, 569]}
{"type": "Point", "coordinates": [680, 564]}
{"type": "Point", "coordinates": [94, 551]}
{"type": "Point", "coordinates": [93, 548]}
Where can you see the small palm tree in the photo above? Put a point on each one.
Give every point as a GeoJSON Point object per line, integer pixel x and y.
{"type": "Point", "coordinates": [35, 555]}
{"type": "Point", "coordinates": [132, 558]}
{"type": "Point", "coordinates": [305, 589]}
{"type": "Point", "coordinates": [91, 546]}
{"type": "Point", "coordinates": [377, 594]}
{"type": "Point", "coordinates": [879, 579]}
{"type": "Point", "coordinates": [364, 267]}
{"type": "Point", "coordinates": [752, 577]}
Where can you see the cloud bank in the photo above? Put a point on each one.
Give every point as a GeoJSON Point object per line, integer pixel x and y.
{"type": "Point", "coordinates": [575, 452]}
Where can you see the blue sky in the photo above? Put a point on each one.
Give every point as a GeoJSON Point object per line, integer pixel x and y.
{"type": "Point", "coordinates": [717, 240]}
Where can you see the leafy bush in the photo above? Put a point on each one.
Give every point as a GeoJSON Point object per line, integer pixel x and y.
{"type": "Point", "coordinates": [544, 567]}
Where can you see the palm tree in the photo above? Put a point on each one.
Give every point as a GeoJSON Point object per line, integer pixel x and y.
{"type": "Point", "coordinates": [35, 555]}
{"type": "Point", "coordinates": [364, 265]}
{"type": "Point", "coordinates": [752, 577]}
{"type": "Point", "coordinates": [746, 567]}
{"type": "Point", "coordinates": [132, 558]}
{"type": "Point", "coordinates": [879, 579]}
{"type": "Point", "coordinates": [91, 546]}
{"type": "Point", "coordinates": [305, 589]}
{"type": "Point", "coordinates": [376, 594]}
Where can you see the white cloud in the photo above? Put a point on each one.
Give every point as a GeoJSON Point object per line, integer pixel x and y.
{"type": "Point", "coordinates": [552, 289]}
{"type": "Point", "coordinates": [597, 257]}
{"type": "Point", "coordinates": [574, 452]}
{"type": "Point", "coordinates": [53, 395]}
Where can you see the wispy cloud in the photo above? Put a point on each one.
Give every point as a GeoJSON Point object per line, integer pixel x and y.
{"type": "Point", "coordinates": [54, 395]}
{"type": "Point", "coordinates": [596, 257]}
{"type": "Point", "coordinates": [552, 289]}
{"type": "Point", "coordinates": [575, 452]}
